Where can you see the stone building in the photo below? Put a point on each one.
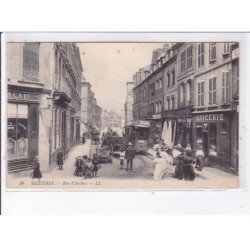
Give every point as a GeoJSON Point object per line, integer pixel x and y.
{"type": "Point", "coordinates": [43, 79]}
{"type": "Point", "coordinates": [185, 81]}
{"type": "Point", "coordinates": [215, 115]}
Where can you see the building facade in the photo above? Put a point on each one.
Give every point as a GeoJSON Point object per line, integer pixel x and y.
{"type": "Point", "coordinates": [90, 111]}
{"type": "Point", "coordinates": [191, 92]}
{"type": "Point", "coordinates": [215, 115]}
{"type": "Point", "coordinates": [42, 80]}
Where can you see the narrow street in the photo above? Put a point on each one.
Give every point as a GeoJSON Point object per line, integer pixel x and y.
{"type": "Point", "coordinates": [140, 177]}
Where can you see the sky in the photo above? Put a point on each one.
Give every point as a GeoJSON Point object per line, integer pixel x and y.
{"type": "Point", "coordinates": [108, 66]}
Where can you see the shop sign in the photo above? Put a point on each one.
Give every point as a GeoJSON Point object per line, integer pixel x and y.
{"type": "Point", "coordinates": [210, 117]}
{"type": "Point", "coordinates": [20, 96]}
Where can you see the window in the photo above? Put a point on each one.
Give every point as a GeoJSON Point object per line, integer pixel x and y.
{"type": "Point", "coordinates": [226, 48]}
{"type": "Point", "coordinates": [212, 91]}
{"type": "Point", "coordinates": [201, 93]}
{"type": "Point", "coordinates": [168, 104]}
{"type": "Point", "coordinates": [188, 91]}
{"type": "Point", "coordinates": [168, 77]}
{"type": "Point", "coordinates": [160, 83]}
{"type": "Point", "coordinates": [213, 139]}
{"type": "Point", "coordinates": [31, 62]}
{"type": "Point", "coordinates": [225, 87]}
{"type": "Point", "coordinates": [237, 77]}
{"type": "Point", "coordinates": [182, 92]}
{"type": "Point", "coordinates": [212, 52]}
{"type": "Point", "coordinates": [173, 103]}
{"type": "Point", "coordinates": [173, 78]}
{"type": "Point", "coordinates": [183, 60]}
{"type": "Point", "coordinates": [17, 131]}
{"type": "Point", "coordinates": [201, 54]}
{"type": "Point", "coordinates": [189, 57]}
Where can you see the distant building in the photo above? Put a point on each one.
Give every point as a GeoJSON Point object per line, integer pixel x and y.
{"type": "Point", "coordinates": [111, 119]}
{"type": "Point", "coordinates": [129, 103]}
{"type": "Point", "coordinates": [90, 111]}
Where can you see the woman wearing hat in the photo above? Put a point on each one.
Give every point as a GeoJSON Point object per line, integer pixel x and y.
{"type": "Point", "coordinates": [36, 174]}
{"type": "Point", "coordinates": [160, 167]}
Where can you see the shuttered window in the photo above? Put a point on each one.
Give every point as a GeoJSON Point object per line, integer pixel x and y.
{"type": "Point", "coordinates": [212, 51]}
{"type": "Point", "coordinates": [225, 87]}
{"type": "Point", "coordinates": [212, 91]}
{"type": "Point", "coordinates": [31, 62]}
{"type": "Point", "coordinates": [201, 93]}
{"type": "Point", "coordinates": [183, 60]}
{"type": "Point", "coordinates": [201, 54]}
{"type": "Point", "coordinates": [189, 57]}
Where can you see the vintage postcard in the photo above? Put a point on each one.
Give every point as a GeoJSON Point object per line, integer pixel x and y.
{"type": "Point", "coordinates": [122, 115]}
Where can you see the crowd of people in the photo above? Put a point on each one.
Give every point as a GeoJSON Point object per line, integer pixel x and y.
{"type": "Point", "coordinates": [184, 160]}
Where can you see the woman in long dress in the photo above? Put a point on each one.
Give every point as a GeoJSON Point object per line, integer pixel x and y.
{"type": "Point", "coordinates": [160, 167]}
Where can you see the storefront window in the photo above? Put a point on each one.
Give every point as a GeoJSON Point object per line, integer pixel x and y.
{"type": "Point", "coordinates": [17, 131]}
{"type": "Point", "coordinates": [213, 139]}
{"type": "Point", "coordinates": [198, 135]}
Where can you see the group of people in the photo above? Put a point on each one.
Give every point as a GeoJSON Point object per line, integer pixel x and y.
{"type": "Point", "coordinates": [183, 159]}
{"type": "Point", "coordinates": [85, 163]}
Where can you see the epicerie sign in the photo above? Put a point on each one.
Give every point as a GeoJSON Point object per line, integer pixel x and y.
{"type": "Point", "coordinates": [21, 96]}
{"type": "Point", "coordinates": [210, 117]}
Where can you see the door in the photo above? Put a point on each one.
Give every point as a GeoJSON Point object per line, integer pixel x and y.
{"type": "Point", "coordinates": [33, 131]}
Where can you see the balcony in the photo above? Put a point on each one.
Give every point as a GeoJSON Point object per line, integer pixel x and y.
{"type": "Point", "coordinates": [62, 91]}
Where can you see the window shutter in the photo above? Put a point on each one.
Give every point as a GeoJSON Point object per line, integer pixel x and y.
{"type": "Point", "coordinates": [214, 91]}
{"type": "Point", "coordinates": [31, 62]}
{"type": "Point", "coordinates": [179, 95]}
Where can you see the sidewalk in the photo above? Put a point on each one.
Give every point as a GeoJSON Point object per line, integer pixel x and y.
{"type": "Point", "coordinates": [68, 166]}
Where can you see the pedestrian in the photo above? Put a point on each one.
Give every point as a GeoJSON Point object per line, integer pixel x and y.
{"type": "Point", "coordinates": [200, 159]}
{"type": "Point", "coordinates": [130, 155]}
{"type": "Point", "coordinates": [122, 156]}
{"type": "Point", "coordinates": [83, 138]}
{"type": "Point", "coordinates": [36, 173]}
{"type": "Point", "coordinates": [79, 165]}
{"type": "Point", "coordinates": [95, 163]}
{"type": "Point", "coordinates": [179, 159]}
{"type": "Point", "coordinates": [188, 171]}
{"type": "Point", "coordinates": [59, 159]}
{"type": "Point", "coordinates": [160, 167]}
{"type": "Point", "coordinates": [188, 147]}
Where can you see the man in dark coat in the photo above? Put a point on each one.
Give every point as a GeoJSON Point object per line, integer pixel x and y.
{"type": "Point", "coordinates": [130, 155]}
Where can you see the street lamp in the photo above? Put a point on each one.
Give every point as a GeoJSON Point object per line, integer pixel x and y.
{"type": "Point", "coordinates": [49, 104]}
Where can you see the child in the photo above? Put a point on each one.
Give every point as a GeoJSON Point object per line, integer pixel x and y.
{"type": "Point", "coordinates": [122, 157]}
{"type": "Point", "coordinates": [200, 161]}
{"type": "Point", "coordinates": [36, 174]}
{"type": "Point", "coordinates": [59, 159]}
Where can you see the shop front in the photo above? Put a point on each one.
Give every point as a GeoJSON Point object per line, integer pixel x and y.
{"type": "Point", "coordinates": [212, 133]}
{"type": "Point", "coordinates": [184, 133]}
{"type": "Point", "coordinates": [22, 129]}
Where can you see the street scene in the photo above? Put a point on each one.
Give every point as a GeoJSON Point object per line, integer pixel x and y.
{"type": "Point", "coordinates": [123, 116]}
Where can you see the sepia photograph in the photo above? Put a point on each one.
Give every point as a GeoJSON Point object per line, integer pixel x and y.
{"type": "Point", "coordinates": [122, 115]}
